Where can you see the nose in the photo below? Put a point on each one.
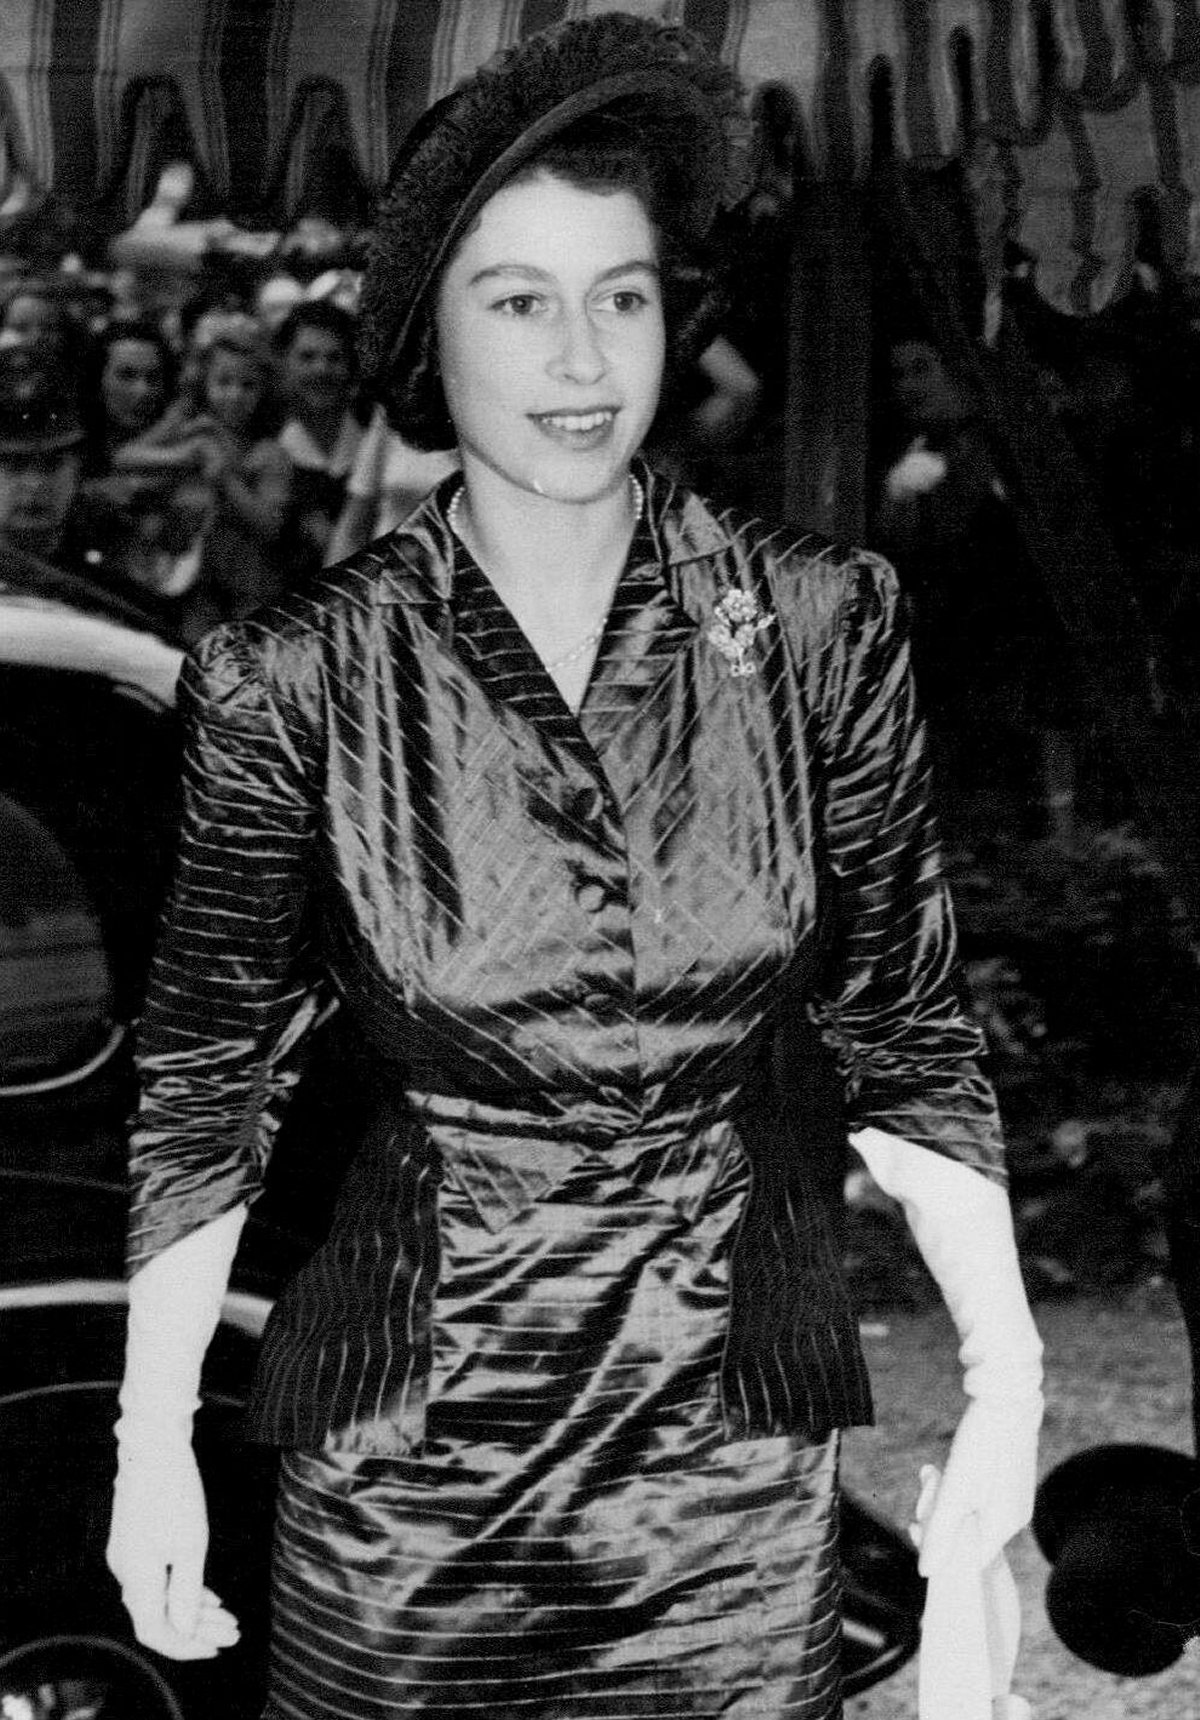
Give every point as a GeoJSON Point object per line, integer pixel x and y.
{"type": "Point", "coordinates": [580, 356]}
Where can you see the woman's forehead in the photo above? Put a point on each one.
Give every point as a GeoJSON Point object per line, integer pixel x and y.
{"type": "Point", "coordinates": [544, 222]}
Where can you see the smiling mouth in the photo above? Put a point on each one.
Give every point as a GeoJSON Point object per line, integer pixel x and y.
{"type": "Point", "coordinates": [578, 422]}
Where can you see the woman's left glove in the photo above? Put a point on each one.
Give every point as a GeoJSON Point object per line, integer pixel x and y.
{"type": "Point", "coordinates": [962, 1225]}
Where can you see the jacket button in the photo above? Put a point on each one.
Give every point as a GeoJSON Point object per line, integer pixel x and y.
{"type": "Point", "coordinates": [591, 897]}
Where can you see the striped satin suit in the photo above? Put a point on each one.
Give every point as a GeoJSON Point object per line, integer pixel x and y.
{"type": "Point", "coordinates": [582, 1248]}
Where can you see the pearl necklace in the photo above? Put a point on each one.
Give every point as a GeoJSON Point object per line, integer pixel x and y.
{"type": "Point", "coordinates": [454, 521]}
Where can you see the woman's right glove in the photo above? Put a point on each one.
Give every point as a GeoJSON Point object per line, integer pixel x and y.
{"type": "Point", "coordinates": [159, 1535]}
{"type": "Point", "coordinates": [962, 1225]}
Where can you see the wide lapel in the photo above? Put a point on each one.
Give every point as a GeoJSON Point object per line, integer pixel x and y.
{"type": "Point", "coordinates": [488, 639]}
{"type": "Point", "coordinates": [647, 625]}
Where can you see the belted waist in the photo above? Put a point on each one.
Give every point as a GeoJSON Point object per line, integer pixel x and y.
{"type": "Point", "coordinates": [505, 1161]}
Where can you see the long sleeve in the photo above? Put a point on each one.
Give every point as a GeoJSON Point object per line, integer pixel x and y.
{"type": "Point", "coordinates": [234, 985]}
{"type": "Point", "coordinates": [891, 1011]}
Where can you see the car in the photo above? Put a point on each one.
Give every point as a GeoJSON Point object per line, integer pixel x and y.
{"type": "Point", "coordinates": [89, 757]}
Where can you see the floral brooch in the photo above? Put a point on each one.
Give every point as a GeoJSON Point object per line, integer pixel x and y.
{"type": "Point", "coordinates": [737, 622]}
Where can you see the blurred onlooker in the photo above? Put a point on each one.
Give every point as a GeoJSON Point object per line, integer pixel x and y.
{"type": "Point", "coordinates": [230, 480]}
{"type": "Point", "coordinates": [41, 440]}
{"type": "Point", "coordinates": [250, 477]}
{"type": "Point", "coordinates": [34, 318]}
{"type": "Point", "coordinates": [131, 383]}
{"type": "Point", "coordinates": [990, 654]}
{"type": "Point", "coordinates": [388, 479]}
{"type": "Point", "coordinates": [128, 384]}
{"type": "Point", "coordinates": [1117, 419]}
{"type": "Point", "coordinates": [50, 542]}
{"type": "Point", "coordinates": [321, 435]}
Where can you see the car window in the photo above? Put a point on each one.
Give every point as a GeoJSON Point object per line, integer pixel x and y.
{"type": "Point", "coordinates": [96, 765]}
{"type": "Point", "coordinates": [56, 994]}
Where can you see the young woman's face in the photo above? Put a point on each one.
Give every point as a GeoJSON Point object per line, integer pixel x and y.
{"type": "Point", "coordinates": [132, 386]}
{"type": "Point", "coordinates": [234, 388]}
{"type": "Point", "coordinates": [551, 338]}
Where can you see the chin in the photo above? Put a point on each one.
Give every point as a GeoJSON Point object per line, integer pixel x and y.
{"type": "Point", "coordinates": [580, 478]}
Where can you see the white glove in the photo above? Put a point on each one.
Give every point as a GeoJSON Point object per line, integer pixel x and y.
{"type": "Point", "coordinates": [159, 1534]}
{"type": "Point", "coordinates": [962, 1225]}
{"type": "Point", "coordinates": [970, 1630]}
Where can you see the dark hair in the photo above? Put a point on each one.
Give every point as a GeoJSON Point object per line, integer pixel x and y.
{"type": "Point", "coordinates": [145, 333]}
{"type": "Point", "coordinates": [601, 152]}
{"type": "Point", "coordinates": [320, 314]}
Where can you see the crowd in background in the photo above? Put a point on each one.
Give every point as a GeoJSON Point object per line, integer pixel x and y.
{"type": "Point", "coordinates": [223, 449]}
{"type": "Point", "coordinates": [998, 670]}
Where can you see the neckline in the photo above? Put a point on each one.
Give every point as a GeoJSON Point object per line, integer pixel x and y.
{"type": "Point", "coordinates": [472, 594]}
{"type": "Point", "coordinates": [465, 559]}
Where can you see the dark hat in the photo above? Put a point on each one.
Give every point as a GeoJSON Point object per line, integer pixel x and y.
{"type": "Point", "coordinates": [39, 405]}
{"type": "Point", "coordinates": [680, 102]}
{"type": "Point", "coordinates": [1121, 1526]}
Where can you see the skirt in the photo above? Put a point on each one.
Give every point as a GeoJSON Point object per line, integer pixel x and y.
{"type": "Point", "coordinates": [577, 1536]}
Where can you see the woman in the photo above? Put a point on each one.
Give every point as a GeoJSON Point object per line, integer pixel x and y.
{"type": "Point", "coordinates": [321, 435]}
{"type": "Point", "coordinates": [133, 379]}
{"type": "Point", "coordinates": [130, 378]}
{"type": "Point", "coordinates": [571, 793]}
{"type": "Point", "coordinates": [247, 473]}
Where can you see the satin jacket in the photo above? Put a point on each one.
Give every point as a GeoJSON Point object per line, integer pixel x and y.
{"type": "Point", "coordinates": [555, 934]}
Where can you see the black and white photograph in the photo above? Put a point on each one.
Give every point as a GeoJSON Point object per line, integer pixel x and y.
{"type": "Point", "coordinates": [599, 859]}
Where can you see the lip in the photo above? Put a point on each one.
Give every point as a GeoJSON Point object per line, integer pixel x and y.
{"type": "Point", "coordinates": [577, 427]}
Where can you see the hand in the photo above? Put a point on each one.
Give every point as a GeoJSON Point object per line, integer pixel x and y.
{"type": "Point", "coordinates": [992, 1471]}
{"type": "Point", "coordinates": [156, 1550]}
{"type": "Point", "coordinates": [917, 471]}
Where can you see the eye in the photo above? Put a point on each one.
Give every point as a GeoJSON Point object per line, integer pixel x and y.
{"type": "Point", "coordinates": [628, 300]}
{"type": "Point", "coordinates": [518, 304]}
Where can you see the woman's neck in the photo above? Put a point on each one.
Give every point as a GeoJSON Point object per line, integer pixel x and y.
{"type": "Point", "coordinates": [530, 543]}
{"type": "Point", "coordinates": [554, 565]}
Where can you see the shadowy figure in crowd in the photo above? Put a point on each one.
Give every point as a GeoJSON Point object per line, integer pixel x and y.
{"type": "Point", "coordinates": [131, 380]}
{"type": "Point", "coordinates": [315, 346]}
{"type": "Point", "coordinates": [52, 542]}
{"type": "Point", "coordinates": [991, 656]}
{"type": "Point", "coordinates": [249, 478]}
{"type": "Point", "coordinates": [224, 478]}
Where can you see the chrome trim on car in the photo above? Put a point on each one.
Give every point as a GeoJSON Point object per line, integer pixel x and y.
{"type": "Point", "coordinates": [244, 1310]}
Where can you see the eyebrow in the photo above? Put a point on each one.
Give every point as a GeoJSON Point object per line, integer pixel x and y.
{"type": "Point", "coordinates": [529, 271]}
